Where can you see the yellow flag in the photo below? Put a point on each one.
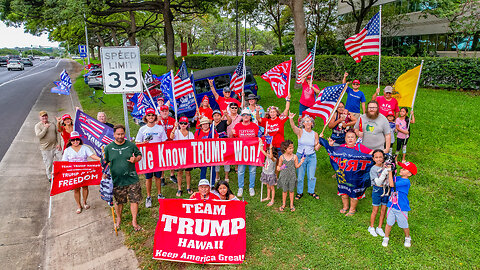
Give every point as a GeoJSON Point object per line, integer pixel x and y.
{"type": "Point", "coordinates": [404, 88]}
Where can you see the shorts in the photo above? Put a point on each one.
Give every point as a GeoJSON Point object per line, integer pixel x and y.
{"type": "Point", "coordinates": [401, 143]}
{"type": "Point", "coordinates": [401, 217]}
{"type": "Point", "coordinates": [377, 198]}
{"type": "Point", "coordinates": [131, 192]}
{"type": "Point", "coordinates": [150, 175]}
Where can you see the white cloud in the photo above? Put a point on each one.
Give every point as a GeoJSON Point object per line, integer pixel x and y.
{"type": "Point", "coordinates": [16, 37]}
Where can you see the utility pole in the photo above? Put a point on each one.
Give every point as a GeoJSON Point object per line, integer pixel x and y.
{"type": "Point", "coordinates": [86, 39]}
{"type": "Point", "coordinates": [236, 27]}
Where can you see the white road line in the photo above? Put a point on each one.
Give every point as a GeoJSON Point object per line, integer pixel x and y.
{"type": "Point", "coordinates": [22, 77]}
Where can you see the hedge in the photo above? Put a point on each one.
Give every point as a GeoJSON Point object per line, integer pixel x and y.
{"type": "Point", "coordinates": [446, 73]}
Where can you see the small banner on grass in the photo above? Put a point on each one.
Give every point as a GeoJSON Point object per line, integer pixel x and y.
{"type": "Point", "coordinates": [198, 231]}
{"type": "Point", "coordinates": [71, 175]}
{"type": "Point", "coordinates": [174, 155]}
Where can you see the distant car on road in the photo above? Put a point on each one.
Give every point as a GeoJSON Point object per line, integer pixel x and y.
{"type": "Point", "coordinates": [3, 61]}
{"type": "Point", "coordinates": [44, 58]}
{"type": "Point", "coordinates": [15, 64]}
{"type": "Point", "coordinates": [27, 62]}
{"type": "Point", "coordinates": [76, 57]}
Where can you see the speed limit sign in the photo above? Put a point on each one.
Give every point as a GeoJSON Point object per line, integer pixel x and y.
{"type": "Point", "coordinates": [121, 69]}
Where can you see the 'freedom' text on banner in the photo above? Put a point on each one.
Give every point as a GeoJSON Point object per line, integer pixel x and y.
{"type": "Point", "coordinates": [71, 175]}
{"type": "Point", "coordinates": [200, 231]}
{"type": "Point", "coordinates": [198, 153]}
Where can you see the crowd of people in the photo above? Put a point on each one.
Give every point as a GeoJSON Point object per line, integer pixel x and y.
{"type": "Point", "coordinates": [368, 127]}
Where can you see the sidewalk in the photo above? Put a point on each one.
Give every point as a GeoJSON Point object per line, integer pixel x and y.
{"type": "Point", "coordinates": [67, 240]}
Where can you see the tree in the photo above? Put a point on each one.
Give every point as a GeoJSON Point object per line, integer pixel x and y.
{"type": "Point", "coordinates": [300, 38]}
{"type": "Point", "coordinates": [360, 9]}
{"type": "Point", "coordinates": [275, 16]}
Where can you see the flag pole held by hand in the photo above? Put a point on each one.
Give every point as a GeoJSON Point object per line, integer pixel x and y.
{"type": "Point", "coordinates": [335, 108]}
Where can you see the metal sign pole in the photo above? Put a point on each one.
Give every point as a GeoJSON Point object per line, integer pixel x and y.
{"type": "Point", "coordinates": [125, 115]}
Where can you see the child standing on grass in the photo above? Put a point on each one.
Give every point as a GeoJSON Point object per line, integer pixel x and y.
{"type": "Point", "coordinates": [287, 180]}
{"type": "Point", "coordinates": [268, 172]}
{"type": "Point", "coordinates": [391, 122]}
{"type": "Point", "coordinates": [378, 173]}
{"type": "Point", "coordinates": [398, 203]}
{"type": "Point", "coordinates": [403, 129]}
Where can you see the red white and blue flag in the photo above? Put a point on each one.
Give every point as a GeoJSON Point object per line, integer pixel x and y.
{"type": "Point", "coordinates": [64, 85]}
{"type": "Point", "coordinates": [141, 102]}
{"type": "Point", "coordinates": [306, 65]}
{"type": "Point", "coordinates": [279, 78]}
{"type": "Point", "coordinates": [148, 78]}
{"type": "Point", "coordinates": [93, 132]}
{"type": "Point", "coordinates": [182, 85]}
{"type": "Point", "coordinates": [367, 42]}
{"type": "Point", "coordinates": [325, 102]}
{"type": "Point", "coordinates": [238, 78]}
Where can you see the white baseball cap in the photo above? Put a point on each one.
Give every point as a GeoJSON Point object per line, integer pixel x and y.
{"type": "Point", "coordinates": [203, 182]}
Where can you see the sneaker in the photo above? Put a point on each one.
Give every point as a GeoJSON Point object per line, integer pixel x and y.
{"type": "Point", "coordinates": [148, 202]}
{"type": "Point", "coordinates": [380, 232]}
{"type": "Point", "coordinates": [252, 192]}
{"type": "Point", "coordinates": [385, 241]}
{"type": "Point", "coordinates": [240, 192]}
{"type": "Point", "coordinates": [173, 179]}
{"type": "Point", "coordinates": [162, 180]}
{"type": "Point", "coordinates": [371, 230]}
{"type": "Point", "coordinates": [160, 196]}
{"type": "Point", "coordinates": [408, 242]}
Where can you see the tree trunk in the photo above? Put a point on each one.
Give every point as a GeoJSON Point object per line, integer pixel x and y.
{"type": "Point", "coordinates": [169, 35]}
{"type": "Point", "coordinates": [133, 29]}
{"type": "Point", "coordinates": [114, 37]}
{"type": "Point", "coordinates": [300, 38]}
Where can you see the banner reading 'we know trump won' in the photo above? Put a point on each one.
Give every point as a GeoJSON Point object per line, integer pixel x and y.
{"type": "Point", "coordinates": [199, 231]}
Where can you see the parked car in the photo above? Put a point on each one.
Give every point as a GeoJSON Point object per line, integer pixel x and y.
{"type": "Point", "coordinates": [3, 61]}
{"type": "Point", "coordinates": [27, 62]}
{"type": "Point", "coordinates": [252, 53]}
{"type": "Point", "coordinates": [95, 79]}
{"type": "Point", "coordinates": [15, 64]}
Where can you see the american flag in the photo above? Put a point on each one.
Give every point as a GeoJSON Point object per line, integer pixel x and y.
{"type": "Point", "coordinates": [181, 82]}
{"type": "Point", "coordinates": [140, 104]}
{"type": "Point", "coordinates": [148, 76]}
{"type": "Point", "coordinates": [325, 102]}
{"type": "Point", "coordinates": [279, 78]}
{"type": "Point", "coordinates": [95, 133]}
{"type": "Point", "coordinates": [238, 78]}
{"type": "Point", "coordinates": [306, 65]}
{"type": "Point", "coordinates": [367, 42]}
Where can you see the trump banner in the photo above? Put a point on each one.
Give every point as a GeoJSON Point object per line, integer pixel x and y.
{"type": "Point", "coordinates": [93, 132]}
{"type": "Point", "coordinates": [71, 175]}
{"type": "Point", "coordinates": [174, 155]}
{"type": "Point", "coordinates": [352, 169]}
{"type": "Point", "coordinates": [199, 231]}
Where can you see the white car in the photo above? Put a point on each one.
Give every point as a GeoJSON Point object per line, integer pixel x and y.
{"type": "Point", "coordinates": [14, 64]}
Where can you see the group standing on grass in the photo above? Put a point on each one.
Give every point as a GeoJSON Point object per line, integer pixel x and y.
{"type": "Point", "coordinates": [367, 127]}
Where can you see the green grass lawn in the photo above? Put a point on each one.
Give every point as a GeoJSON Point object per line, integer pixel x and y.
{"type": "Point", "coordinates": [444, 197]}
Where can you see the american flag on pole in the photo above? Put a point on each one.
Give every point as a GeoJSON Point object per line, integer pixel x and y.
{"type": "Point", "coordinates": [306, 65]}
{"type": "Point", "coordinates": [279, 78]}
{"type": "Point", "coordinates": [181, 82]}
{"type": "Point", "coordinates": [93, 132]}
{"type": "Point", "coordinates": [238, 78]}
{"type": "Point", "coordinates": [367, 42]}
{"type": "Point", "coordinates": [325, 102]}
{"type": "Point", "coordinates": [148, 76]}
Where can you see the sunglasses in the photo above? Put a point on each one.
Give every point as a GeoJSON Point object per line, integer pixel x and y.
{"type": "Point", "coordinates": [150, 114]}
{"type": "Point", "coordinates": [75, 140]}
{"type": "Point", "coordinates": [183, 123]}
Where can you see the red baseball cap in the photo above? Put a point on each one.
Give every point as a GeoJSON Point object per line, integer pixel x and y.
{"type": "Point", "coordinates": [409, 166]}
{"type": "Point", "coordinates": [75, 135]}
{"type": "Point", "coordinates": [163, 108]}
{"type": "Point", "coordinates": [356, 81]}
{"type": "Point", "coordinates": [160, 98]}
{"type": "Point", "coordinates": [205, 98]}
{"type": "Point", "coordinates": [183, 119]}
{"type": "Point", "coordinates": [390, 113]}
{"type": "Point", "coordinates": [65, 116]}
{"type": "Point", "coordinates": [149, 110]}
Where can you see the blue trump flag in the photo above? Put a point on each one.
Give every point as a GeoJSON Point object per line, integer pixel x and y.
{"type": "Point", "coordinates": [352, 168]}
{"type": "Point", "coordinates": [184, 104]}
{"type": "Point", "coordinates": [93, 132]}
{"type": "Point", "coordinates": [64, 85]}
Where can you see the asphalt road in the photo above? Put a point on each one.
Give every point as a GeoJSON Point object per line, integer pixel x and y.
{"type": "Point", "coordinates": [18, 92]}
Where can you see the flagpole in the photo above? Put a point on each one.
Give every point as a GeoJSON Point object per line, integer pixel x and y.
{"type": "Point", "coordinates": [243, 84]}
{"type": "Point", "coordinates": [335, 108]}
{"type": "Point", "coordinates": [194, 94]}
{"type": "Point", "coordinates": [418, 81]}
{"type": "Point", "coordinates": [150, 96]}
{"type": "Point", "coordinates": [289, 74]}
{"type": "Point", "coordinates": [313, 63]}
{"type": "Point", "coordinates": [380, 46]}
{"type": "Point", "coordinates": [173, 93]}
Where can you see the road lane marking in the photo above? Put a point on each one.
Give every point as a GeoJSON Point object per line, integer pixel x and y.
{"type": "Point", "coordinates": [26, 76]}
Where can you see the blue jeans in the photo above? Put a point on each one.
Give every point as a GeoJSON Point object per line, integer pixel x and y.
{"type": "Point", "coordinates": [252, 170]}
{"type": "Point", "coordinates": [203, 174]}
{"type": "Point", "coordinates": [309, 165]}
{"type": "Point", "coordinates": [301, 109]}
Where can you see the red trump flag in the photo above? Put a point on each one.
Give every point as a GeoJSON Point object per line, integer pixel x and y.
{"type": "Point", "coordinates": [72, 175]}
{"type": "Point", "coordinates": [199, 231]}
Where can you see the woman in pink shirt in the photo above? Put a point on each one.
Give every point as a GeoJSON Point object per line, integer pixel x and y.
{"type": "Point", "coordinates": [308, 93]}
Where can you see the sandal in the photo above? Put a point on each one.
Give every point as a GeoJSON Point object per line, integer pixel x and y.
{"type": "Point", "coordinates": [270, 203]}
{"type": "Point", "coordinates": [117, 226]}
{"type": "Point", "coordinates": [86, 206]}
{"type": "Point", "coordinates": [314, 195]}
{"type": "Point", "coordinates": [343, 211]}
{"type": "Point", "coordinates": [179, 193]}
{"type": "Point", "coordinates": [189, 191]}
{"type": "Point", "coordinates": [299, 196]}
{"type": "Point", "coordinates": [138, 228]}
{"type": "Point", "coordinates": [282, 208]}
{"type": "Point", "coordinates": [349, 214]}
{"type": "Point", "coordinates": [292, 209]}
{"type": "Point", "coordinates": [79, 210]}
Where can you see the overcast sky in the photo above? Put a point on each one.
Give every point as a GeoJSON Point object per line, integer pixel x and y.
{"type": "Point", "coordinates": [15, 37]}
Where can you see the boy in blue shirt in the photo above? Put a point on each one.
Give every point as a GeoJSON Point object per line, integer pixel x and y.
{"type": "Point", "coordinates": [355, 97]}
{"type": "Point", "coordinates": [398, 202]}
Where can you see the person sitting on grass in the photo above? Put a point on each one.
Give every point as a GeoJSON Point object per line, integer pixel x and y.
{"type": "Point", "coordinates": [398, 203]}
{"type": "Point", "coordinates": [378, 174]}
{"type": "Point", "coordinates": [287, 164]}
{"type": "Point", "coordinates": [268, 172]}
{"type": "Point", "coordinates": [223, 191]}
{"type": "Point", "coordinates": [203, 192]}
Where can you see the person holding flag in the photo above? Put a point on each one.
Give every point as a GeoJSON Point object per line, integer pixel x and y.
{"type": "Point", "coordinates": [274, 124]}
{"type": "Point", "coordinates": [65, 127]}
{"type": "Point", "coordinates": [204, 111]}
{"type": "Point", "coordinates": [151, 133]}
{"type": "Point", "coordinates": [167, 123]}
{"type": "Point", "coordinates": [224, 101]}
{"type": "Point", "coordinates": [307, 99]}
{"type": "Point", "coordinates": [355, 97]}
